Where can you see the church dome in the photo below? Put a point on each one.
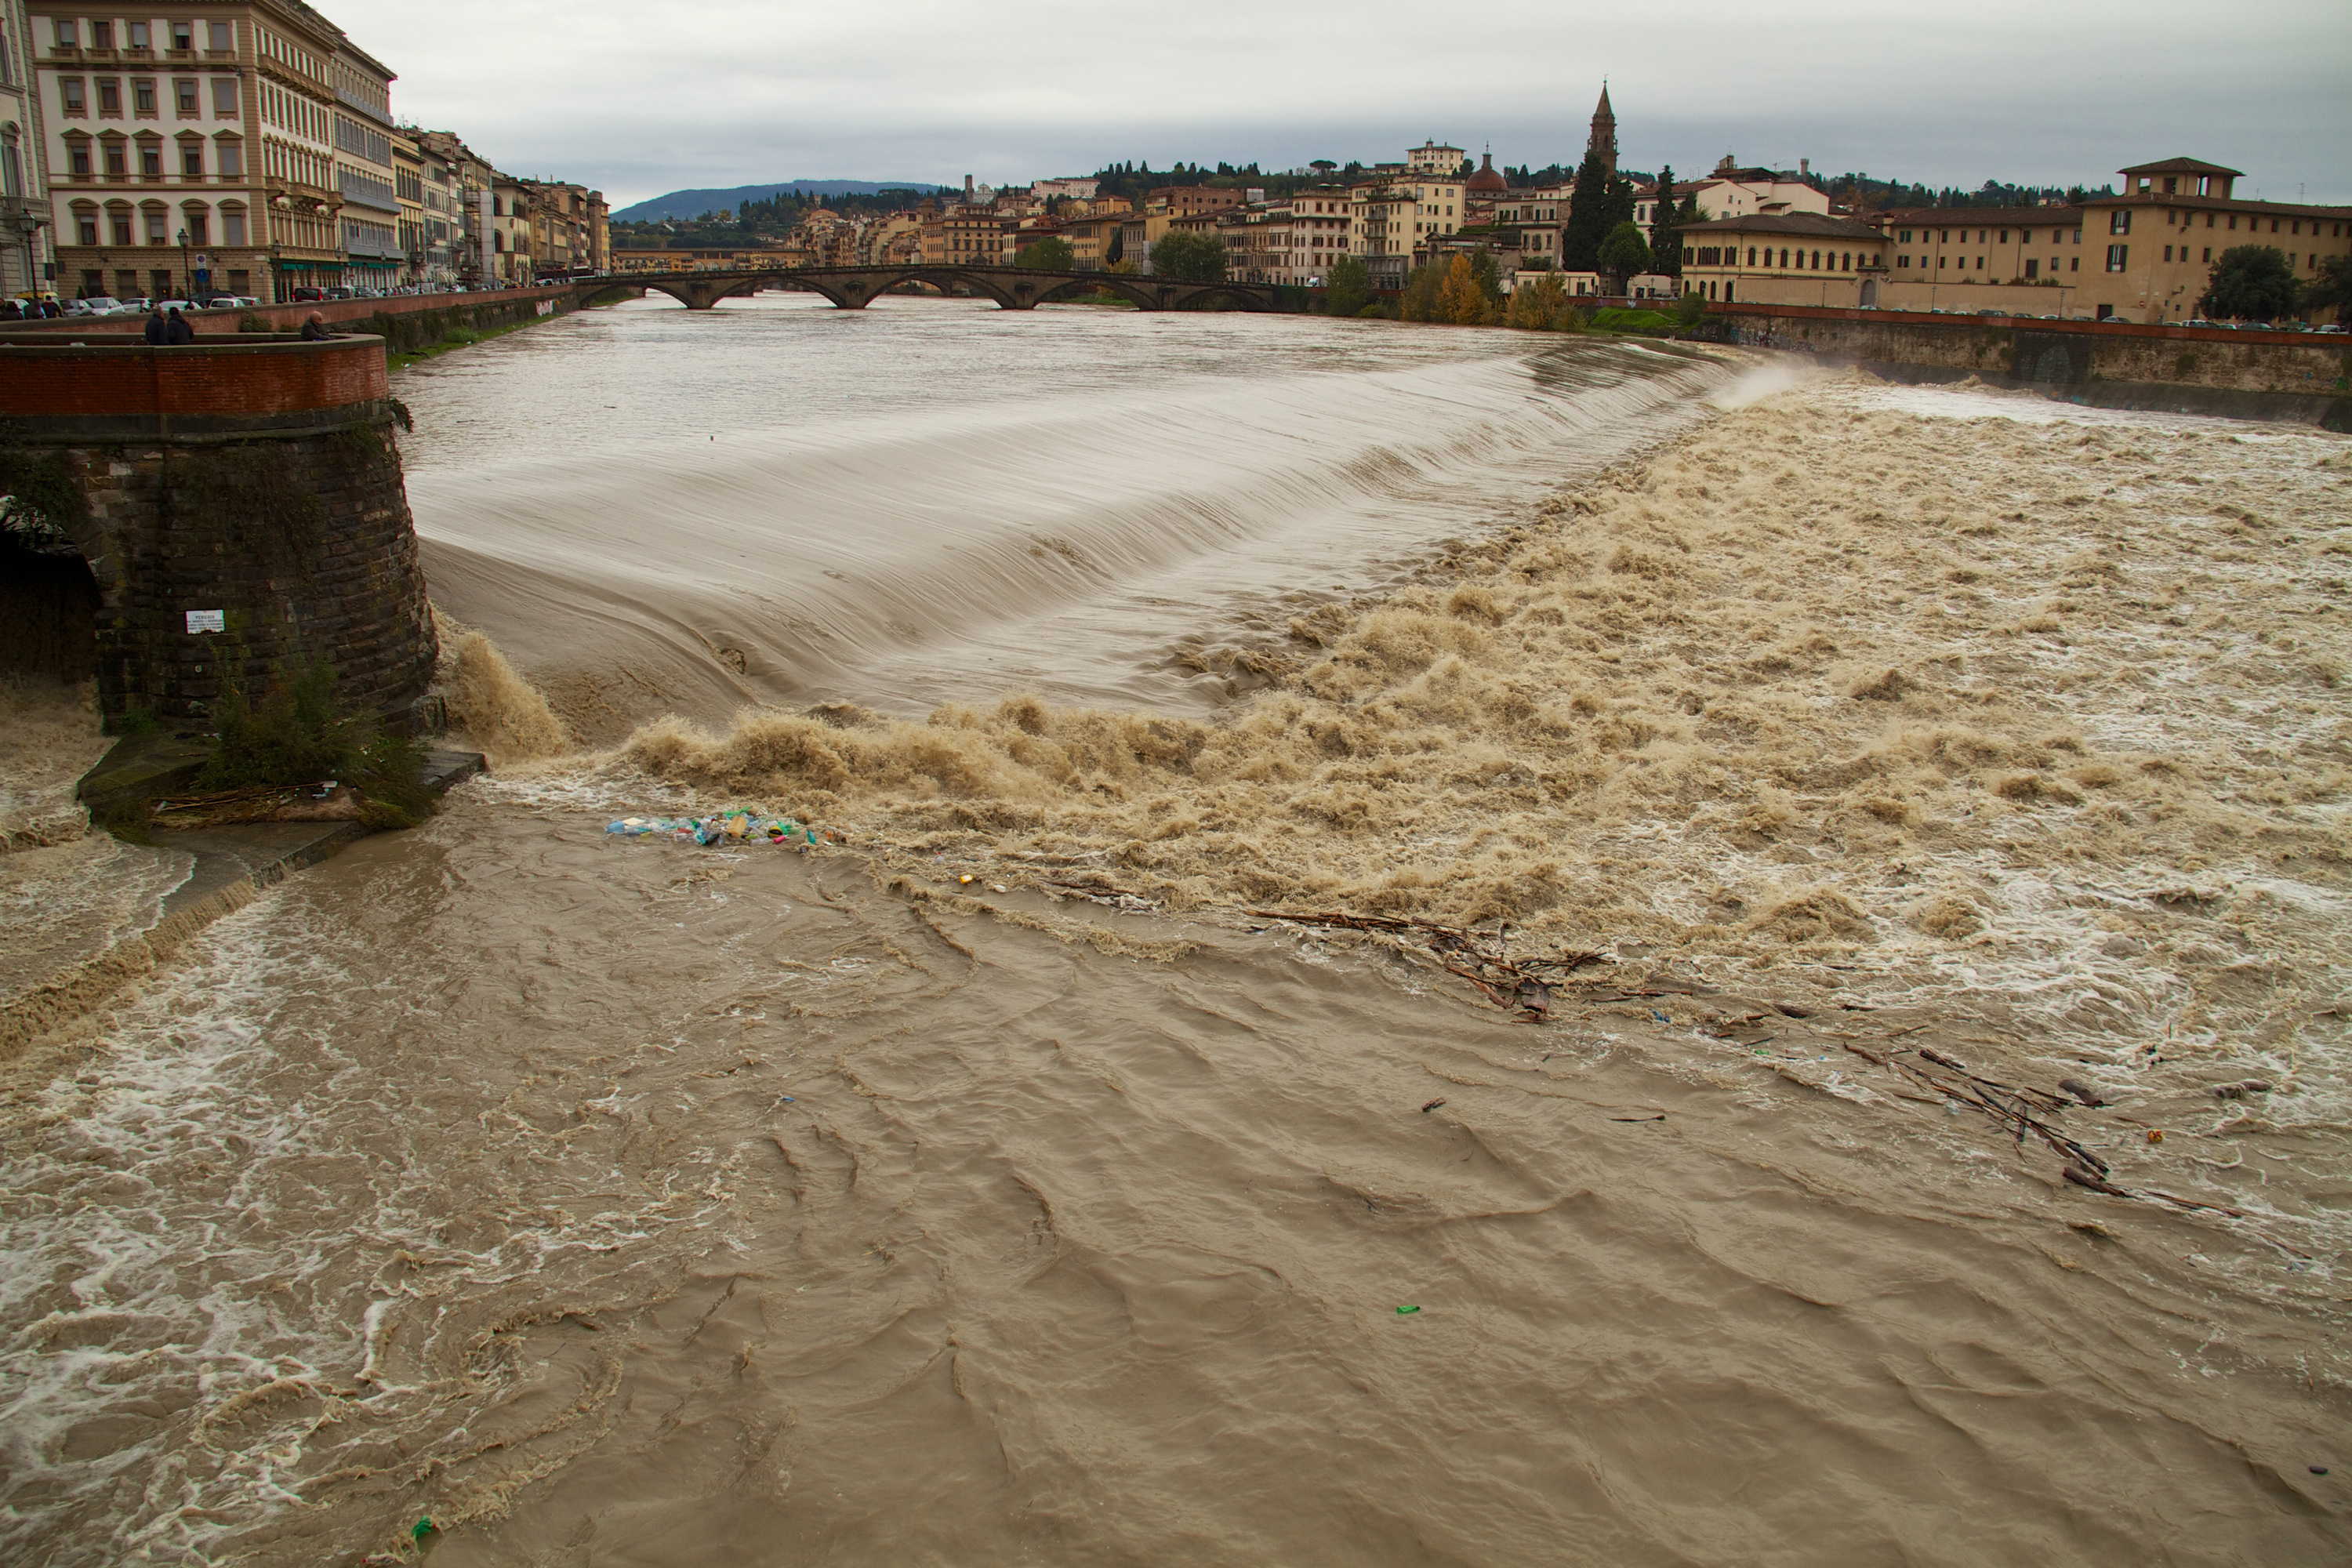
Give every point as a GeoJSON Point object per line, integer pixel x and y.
{"type": "Point", "coordinates": [1485, 181]}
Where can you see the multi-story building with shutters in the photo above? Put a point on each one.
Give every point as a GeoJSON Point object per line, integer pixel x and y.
{"type": "Point", "coordinates": [154, 134]}
{"type": "Point", "coordinates": [408, 184]}
{"type": "Point", "coordinates": [1399, 208]}
{"type": "Point", "coordinates": [27, 227]}
{"type": "Point", "coordinates": [369, 221]}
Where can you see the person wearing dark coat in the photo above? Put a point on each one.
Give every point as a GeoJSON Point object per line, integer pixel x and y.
{"type": "Point", "coordinates": [181, 330]}
{"type": "Point", "coordinates": [12, 311]}
{"type": "Point", "coordinates": [52, 310]}
{"type": "Point", "coordinates": [314, 330]}
{"type": "Point", "coordinates": [159, 330]}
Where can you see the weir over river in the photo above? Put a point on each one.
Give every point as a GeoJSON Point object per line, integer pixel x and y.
{"type": "Point", "coordinates": [999, 1182]}
{"type": "Point", "coordinates": [932, 499]}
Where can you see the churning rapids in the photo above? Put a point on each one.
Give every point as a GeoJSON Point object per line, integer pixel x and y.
{"type": "Point", "coordinates": [995, 1189]}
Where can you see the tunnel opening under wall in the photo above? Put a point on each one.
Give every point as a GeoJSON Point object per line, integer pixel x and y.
{"type": "Point", "coordinates": [49, 610]}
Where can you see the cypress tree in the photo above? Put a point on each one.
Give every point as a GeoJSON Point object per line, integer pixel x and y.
{"type": "Point", "coordinates": [1588, 224]}
{"type": "Point", "coordinates": [1665, 239]}
{"type": "Point", "coordinates": [1600, 201]}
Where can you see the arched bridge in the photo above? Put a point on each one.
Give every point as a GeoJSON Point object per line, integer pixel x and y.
{"type": "Point", "coordinates": [1014, 288]}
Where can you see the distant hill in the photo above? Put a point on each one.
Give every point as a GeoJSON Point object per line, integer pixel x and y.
{"type": "Point", "coordinates": [694, 203]}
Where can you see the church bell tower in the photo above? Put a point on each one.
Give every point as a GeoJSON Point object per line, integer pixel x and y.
{"type": "Point", "coordinates": [1603, 145]}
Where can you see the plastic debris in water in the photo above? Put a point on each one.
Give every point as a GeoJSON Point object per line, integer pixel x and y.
{"type": "Point", "coordinates": [739, 825]}
{"type": "Point", "coordinates": [423, 1528]}
{"type": "Point", "coordinates": [1407, 1311]}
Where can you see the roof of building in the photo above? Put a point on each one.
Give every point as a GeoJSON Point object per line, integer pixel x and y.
{"type": "Point", "coordinates": [2216, 203]}
{"type": "Point", "coordinates": [1977, 217]}
{"type": "Point", "coordinates": [1488, 178]}
{"type": "Point", "coordinates": [2182, 166]}
{"type": "Point", "coordinates": [1818, 226]}
{"type": "Point", "coordinates": [1747, 177]}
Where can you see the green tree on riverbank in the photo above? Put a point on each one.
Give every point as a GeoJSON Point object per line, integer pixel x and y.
{"type": "Point", "coordinates": [1601, 201]}
{"type": "Point", "coordinates": [1350, 288]}
{"type": "Point", "coordinates": [2249, 283]}
{"type": "Point", "coordinates": [1189, 257]}
{"type": "Point", "coordinates": [1623, 253]}
{"type": "Point", "coordinates": [1051, 254]}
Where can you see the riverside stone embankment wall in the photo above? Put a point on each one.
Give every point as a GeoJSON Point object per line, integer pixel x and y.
{"type": "Point", "coordinates": [405, 322]}
{"type": "Point", "coordinates": [2298, 377]}
{"type": "Point", "coordinates": [249, 478]}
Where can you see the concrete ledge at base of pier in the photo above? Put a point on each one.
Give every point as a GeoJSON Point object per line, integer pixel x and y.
{"type": "Point", "coordinates": [2300, 378]}
{"type": "Point", "coordinates": [226, 869]}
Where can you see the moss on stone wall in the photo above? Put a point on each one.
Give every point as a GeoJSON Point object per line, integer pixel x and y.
{"type": "Point", "coordinates": [244, 494]}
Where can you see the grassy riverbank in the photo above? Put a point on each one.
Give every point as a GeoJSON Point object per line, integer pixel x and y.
{"type": "Point", "coordinates": [458, 338]}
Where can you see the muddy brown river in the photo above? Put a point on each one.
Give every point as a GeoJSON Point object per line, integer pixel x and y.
{"type": "Point", "coordinates": [611, 1202]}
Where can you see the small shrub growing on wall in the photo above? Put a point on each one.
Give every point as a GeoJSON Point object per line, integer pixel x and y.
{"type": "Point", "coordinates": [298, 734]}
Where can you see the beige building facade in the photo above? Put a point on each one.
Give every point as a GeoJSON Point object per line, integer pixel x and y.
{"type": "Point", "coordinates": [2145, 254]}
{"type": "Point", "coordinates": [1397, 212]}
{"type": "Point", "coordinates": [158, 140]}
{"type": "Point", "coordinates": [365, 178]}
{"type": "Point", "coordinates": [1784, 259]}
{"type": "Point", "coordinates": [2149, 250]}
{"type": "Point", "coordinates": [27, 227]}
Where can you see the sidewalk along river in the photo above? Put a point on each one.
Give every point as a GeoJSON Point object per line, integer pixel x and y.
{"type": "Point", "coordinates": [602, 1199]}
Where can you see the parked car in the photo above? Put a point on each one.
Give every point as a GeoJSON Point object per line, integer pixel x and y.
{"type": "Point", "coordinates": [2332, 327]}
{"type": "Point", "coordinates": [341, 292]}
{"type": "Point", "coordinates": [231, 302]}
{"type": "Point", "coordinates": [130, 307]}
{"type": "Point", "coordinates": [183, 306]}
{"type": "Point", "coordinates": [306, 293]}
{"type": "Point", "coordinates": [94, 305]}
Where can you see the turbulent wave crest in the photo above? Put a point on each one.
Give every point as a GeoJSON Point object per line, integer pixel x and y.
{"type": "Point", "coordinates": [495, 708]}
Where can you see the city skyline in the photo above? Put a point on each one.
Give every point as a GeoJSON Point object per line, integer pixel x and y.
{"type": "Point", "coordinates": [750, 94]}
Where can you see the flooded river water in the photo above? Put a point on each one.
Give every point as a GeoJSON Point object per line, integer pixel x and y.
{"type": "Point", "coordinates": [610, 1201]}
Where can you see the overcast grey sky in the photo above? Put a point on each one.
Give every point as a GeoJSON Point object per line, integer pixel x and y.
{"type": "Point", "coordinates": [644, 98]}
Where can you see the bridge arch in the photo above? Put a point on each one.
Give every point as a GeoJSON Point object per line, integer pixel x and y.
{"type": "Point", "coordinates": [1012, 288]}
{"type": "Point", "coordinates": [1136, 292]}
{"type": "Point", "coordinates": [1248, 296]}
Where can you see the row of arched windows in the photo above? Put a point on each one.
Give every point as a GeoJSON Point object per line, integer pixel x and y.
{"type": "Point", "coordinates": [146, 156]}
{"type": "Point", "coordinates": [158, 223]}
{"type": "Point", "coordinates": [1836, 260]}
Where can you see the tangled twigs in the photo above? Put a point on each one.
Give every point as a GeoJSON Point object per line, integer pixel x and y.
{"type": "Point", "coordinates": [2013, 1109]}
{"type": "Point", "coordinates": [1523, 985]}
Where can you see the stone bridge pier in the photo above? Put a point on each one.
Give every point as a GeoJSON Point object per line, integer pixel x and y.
{"type": "Point", "coordinates": [192, 519]}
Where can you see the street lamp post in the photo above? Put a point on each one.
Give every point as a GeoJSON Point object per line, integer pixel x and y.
{"type": "Point", "coordinates": [187, 284]}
